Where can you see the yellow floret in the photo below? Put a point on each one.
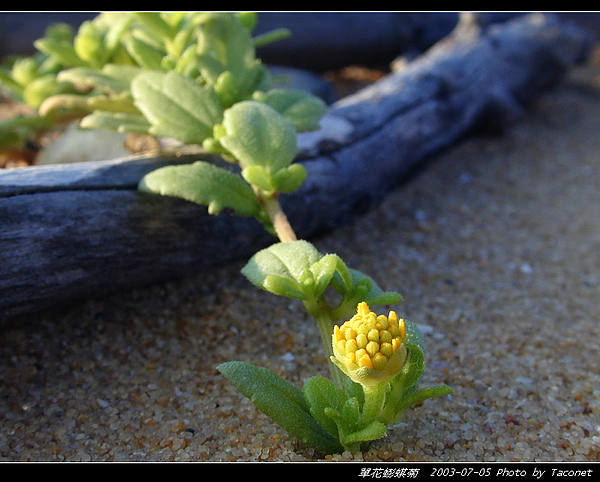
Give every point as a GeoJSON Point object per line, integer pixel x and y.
{"type": "Point", "coordinates": [370, 348]}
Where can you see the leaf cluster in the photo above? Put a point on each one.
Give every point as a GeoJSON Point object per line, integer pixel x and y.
{"type": "Point", "coordinates": [195, 77]}
{"type": "Point", "coordinates": [258, 140]}
{"type": "Point", "coordinates": [298, 270]}
{"type": "Point", "coordinates": [163, 74]}
{"type": "Point", "coordinates": [329, 411]}
{"type": "Point", "coordinates": [326, 416]}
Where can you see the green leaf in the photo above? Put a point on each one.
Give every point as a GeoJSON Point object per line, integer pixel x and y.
{"type": "Point", "coordinates": [355, 287]}
{"type": "Point", "coordinates": [67, 106]}
{"type": "Point", "coordinates": [203, 183]}
{"type": "Point", "coordinates": [248, 19]}
{"type": "Point", "coordinates": [177, 106]}
{"type": "Point", "coordinates": [404, 387]}
{"type": "Point", "coordinates": [116, 121]}
{"type": "Point", "coordinates": [257, 134]}
{"type": "Point", "coordinates": [283, 286]}
{"type": "Point", "coordinates": [146, 55]}
{"type": "Point", "coordinates": [113, 103]}
{"type": "Point", "coordinates": [60, 31]}
{"type": "Point", "coordinates": [122, 73]}
{"type": "Point", "coordinates": [7, 81]}
{"type": "Point", "coordinates": [347, 419]}
{"type": "Point", "coordinates": [156, 24]}
{"type": "Point", "coordinates": [260, 177]}
{"type": "Point", "coordinates": [186, 64]}
{"type": "Point", "coordinates": [321, 394]}
{"type": "Point", "coordinates": [414, 337]}
{"type": "Point", "coordinates": [373, 431]}
{"type": "Point", "coordinates": [303, 109]}
{"type": "Point", "coordinates": [280, 401]}
{"type": "Point", "coordinates": [286, 260]}
{"type": "Point", "coordinates": [272, 36]}
{"type": "Point", "coordinates": [223, 38]}
{"type": "Point", "coordinates": [24, 70]}
{"type": "Point", "coordinates": [343, 280]}
{"type": "Point", "coordinates": [118, 26]}
{"type": "Point", "coordinates": [182, 41]}
{"type": "Point", "coordinates": [415, 364]}
{"type": "Point", "coordinates": [289, 178]}
{"type": "Point", "coordinates": [323, 271]}
{"type": "Point", "coordinates": [94, 78]}
{"type": "Point", "coordinates": [41, 88]}
{"type": "Point", "coordinates": [285, 180]}
{"type": "Point", "coordinates": [112, 79]}
{"type": "Point", "coordinates": [16, 129]}
{"type": "Point", "coordinates": [308, 271]}
{"type": "Point", "coordinates": [62, 50]}
{"type": "Point", "coordinates": [89, 44]}
{"type": "Point", "coordinates": [419, 396]}
{"type": "Point", "coordinates": [376, 296]}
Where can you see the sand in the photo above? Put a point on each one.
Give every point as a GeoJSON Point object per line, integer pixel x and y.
{"type": "Point", "coordinates": [495, 247]}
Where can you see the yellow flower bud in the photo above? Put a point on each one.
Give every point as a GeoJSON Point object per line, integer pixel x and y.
{"type": "Point", "coordinates": [369, 348]}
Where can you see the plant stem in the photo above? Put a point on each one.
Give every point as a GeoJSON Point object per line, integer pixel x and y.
{"type": "Point", "coordinates": [278, 219]}
{"type": "Point", "coordinates": [318, 309]}
{"type": "Point", "coordinates": [374, 398]}
{"type": "Point", "coordinates": [320, 313]}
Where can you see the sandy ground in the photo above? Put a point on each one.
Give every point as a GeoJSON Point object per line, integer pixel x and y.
{"type": "Point", "coordinates": [496, 250]}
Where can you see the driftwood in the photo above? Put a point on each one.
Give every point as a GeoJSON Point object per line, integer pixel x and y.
{"type": "Point", "coordinates": [72, 231]}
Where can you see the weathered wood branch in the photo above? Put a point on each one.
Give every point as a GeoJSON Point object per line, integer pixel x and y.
{"type": "Point", "coordinates": [71, 231]}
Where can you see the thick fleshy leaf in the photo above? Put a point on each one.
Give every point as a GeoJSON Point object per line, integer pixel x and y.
{"type": "Point", "coordinates": [322, 394]}
{"type": "Point", "coordinates": [355, 287]}
{"type": "Point", "coordinates": [260, 177]}
{"type": "Point", "coordinates": [284, 286]}
{"type": "Point", "coordinates": [347, 418]}
{"type": "Point", "coordinates": [285, 180]}
{"type": "Point", "coordinates": [374, 294]}
{"type": "Point", "coordinates": [203, 183]}
{"type": "Point", "coordinates": [323, 270]}
{"type": "Point", "coordinates": [303, 109]}
{"type": "Point", "coordinates": [423, 394]}
{"type": "Point", "coordinates": [373, 431]}
{"type": "Point", "coordinates": [156, 24]}
{"type": "Point", "coordinates": [290, 178]}
{"type": "Point", "coordinates": [61, 50]}
{"type": "Point", "coordinates": [257, 134]}
{"type": "Point", "coordinates": [177, 106]}
{"type": "Point", "coordinates": [43, 87]}
{"type": "Point", "coordinates": [415, 364]}
{"type": "Point", "coordinates": [114, 82]}
{"type": "Point", "coordinates": [282, 402]}
{"type": "Point", "coordinates": [404, 387]}
{"type": "Point", "coordinates": [146, 55]}
{"type": "Point", "coordinates": [118, 26]}
{"type": "Point", "coordinates": [223, 38]}
{"type": "Point", "coordinates": [290, 260]}
{"type": "Point", "coordinates": [116, 121]}
{"type": "Point", "coordinates": [89, 44]}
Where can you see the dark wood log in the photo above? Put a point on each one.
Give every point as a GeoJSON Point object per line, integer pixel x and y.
{"type": "Point", "coordinates": [71, 231]}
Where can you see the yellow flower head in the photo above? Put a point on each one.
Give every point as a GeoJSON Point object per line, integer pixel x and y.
{"type": "Point", "coordinates": [369, 348]}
